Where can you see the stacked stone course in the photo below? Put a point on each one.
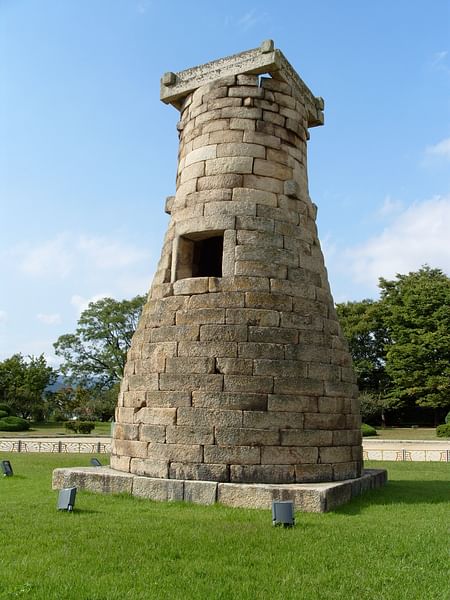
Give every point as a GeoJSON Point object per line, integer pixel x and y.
{"type": "Point", "coordinates": [241, 376]}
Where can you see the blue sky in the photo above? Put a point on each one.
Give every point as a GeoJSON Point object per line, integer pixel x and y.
{"type": "Point", "coordinates": [88, 152]}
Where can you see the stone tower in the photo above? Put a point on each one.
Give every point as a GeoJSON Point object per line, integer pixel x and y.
{"type": "Point", "coordinates": [238, 370]}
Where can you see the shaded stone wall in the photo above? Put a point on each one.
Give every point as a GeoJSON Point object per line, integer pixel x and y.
{"type": "Point", "coordinates": [238, 370]}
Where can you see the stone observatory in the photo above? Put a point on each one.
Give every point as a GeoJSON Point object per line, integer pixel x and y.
{"type": "Point", "coordinates": [239, 384]}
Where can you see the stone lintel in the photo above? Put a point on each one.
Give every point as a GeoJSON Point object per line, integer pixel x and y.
{"type": "Point", "coordinates": [307, 497]}
{"type": "Point", "coordinates": [256, 61]}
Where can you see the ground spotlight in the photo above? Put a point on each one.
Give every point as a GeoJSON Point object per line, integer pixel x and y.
{"type": "Point", "coordinates": [283, 513]}
{"type": "Point", "coordinates": [66, 499]}
{"type": "Point", "coordinates": [95, 462]}
{"type": "Point", "coordinates": [7, 468]}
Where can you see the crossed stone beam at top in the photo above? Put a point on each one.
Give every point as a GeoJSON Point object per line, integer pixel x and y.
{"type": "Point", "coordinates": [265, 59]}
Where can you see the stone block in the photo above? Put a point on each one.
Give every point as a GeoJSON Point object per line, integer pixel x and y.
{"type": "Point", "coordinates": [272, 420]}
{"type": "Point", "coordinates": [137, 399]}
{"type": "Point", "coordinates": [229, 164]}
{"type": "Point", "coordinates": [279, 368]}
{"type": "Point", "coordinates": [266, 183]}
{"type": "Point", "coordinates": [149, 468]}
{"type": "Point", "coordinates": [162, 490]}
{"type": "Point", "coordinates": [259, 268]}
{"type": "Point", "coordinates": [208, 349]}
{"type": "Point", "coordinates": [246, 91]}
{"type": "Point", "coordinates": [291, 455]}
{"type": "Point", "coordinates": [193, 172]}
{"type": "Point", "coordinates": [243, 455]}
{"type": "Point", "coordinates": [340, 388]}
{"type": "Point", "coordinates": [259, 238]}
{"type": "Point", "coordinates": [199, 471]}
{"type": "Point", "coordinates": [243, 383]}
{"type": "Point", "coordinates": [258, 137]}
{"type": "Point", "coordinates": [274, 474]}
{"type": "Point", "coordinates": [252, 316]}
{"type": "Point", "coordinates": [189, 286]}
{"type": "Point", "coordinates": [335, 454]}
{"type": "Point", "coordinates": [187, 382]}
{"type": "Point", "coordinates": [129, 448]}
{"type": "Point", "coordinates": [229, 401]}
{"type": "Point", "coordinates": [260, 350]}
{"type": "Point", "coordinates": [93, 479]}
{"type": "Point", "coordinates": [277, 256]}
{"type": "Point", "coordinates": [255, 223]}
{"type": "Point", "coordinates": [240, 149]}
{"type": "Point", "coordinates": [292, 403]}
{"type": "Point", "coordinates": [200, 154]}
{"type": "Point", "coordinates": [152, 433]}
{"type": "Point", "coordinates": [174, 452]}
{"type": "Point", "coordinates": [345, 437]}
{"type": "Point", "coordinates": [298, 385]}
{"type": "Point", "coordinates": [156, 416]}
{"type": "Point", "coordinates": [175, 333]}
{"type": "Point", "coordinates": [230, 207]}
{"type": "Point", "coordinates": [248, 496]}
{"type": "Point", "coordinates": [212, 182]}
{"type": "Point", "coordinates": [239, 283]}
{"type": "Point", "coordinates": [217, 300]}
{"type": "Point", "coordinates": [200, 492]}
{"type": "Point", "coordinates": [126, 431]}
{"type": "Point", "coordinates": [331, 405]}
{"type": "Point", "coordinates": [313, 473]}
{"type": "Point", "coordinates": [125, 415]}
{"type": "Point", "coordinates": [324, 421]}
{"type": "Point", "coordinates": [273, 117]}
{"type": "Point", "coordinates": [178, 434]}
{"type": "Point", "coordinates": [272, 335]}
{"type": "Point", "coordinates": [228, 136]}
{"type": "Point", "coordinates": [187, 364]}
{"type": "Point", "coordinates": [223, 333]}
{"type": "Point", "coordinates": [243, 124]}
{"type": "Point", "coordinates": [160, 399]}
{"type": "Point", "coordinates": [223, 102]}
{"type": "Point", "coordinates": [269, 168]}
{"type": "Point", "coordinates": [207, 417]}
{"type": "Point", "coordinates": [234, 366]}
{"type": "Point", "coordinates": [302, 437]}
{"type": "Point", "coordinates": [229, 436]}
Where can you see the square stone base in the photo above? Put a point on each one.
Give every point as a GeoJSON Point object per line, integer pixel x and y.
{"type": "Point", "coordinates": [307, 497]}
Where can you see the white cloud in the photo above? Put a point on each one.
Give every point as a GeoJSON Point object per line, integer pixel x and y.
{"type": "Point", "coordinates": [250, 19]}
{"type": "Point", "coordinates": [439, 62]}
{"type": "Point", "coordinates": [50, 258]}
{"type": "Point", "coordinates": [418, 235]}
{"type": "Point", "coordinates": [49, 319]}
{"type": "Point", "coordinates": [80, 303]}
{"type": "Point", "coordinates": [389, 207]}
{"type": "Point", "coordinates": [441, 149]}
{"type": "Point", "coordinates": [67, 253]}
{"type": "Point", "coordinates": [109, 254]}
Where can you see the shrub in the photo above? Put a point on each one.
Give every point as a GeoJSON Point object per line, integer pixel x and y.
{"type": "Point", "coordinates": [80, 426]}
{"type": "Point", "coordinates": [71, 426]}
{"type": "Point", "coordinates": [14, 424]}
{"type": "Point", "coordinates": [368, 430]}
{"type": "Point", "coordinates": [85, 426]}
{"type": "Point", "coordinates": [7, 410]}
{"type": "Point", "coordinates": [3, 414]}
{"type": "Point", "coordinates": [443, 430]}
{"type": "Point", "coordinates": [447, 418]}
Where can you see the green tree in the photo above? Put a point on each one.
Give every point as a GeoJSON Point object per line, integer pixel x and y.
{"type": "Point", "coordinates": [95, 354]}
{"type": "Point", "coordinates": [23, 383]}
{"type": "Point", "coordinates": [416, 312]}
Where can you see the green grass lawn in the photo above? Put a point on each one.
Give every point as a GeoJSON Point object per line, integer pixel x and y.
{"type": "Point", "coordinates": [390, 544]}
{"type": "Point", "coordinates": [57, 430]}
{"type": "Point", "coordinates": [407, 433]}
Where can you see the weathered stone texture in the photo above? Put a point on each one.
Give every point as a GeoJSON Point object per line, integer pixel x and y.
{"type": "Point", "coordinates": [238, 370]}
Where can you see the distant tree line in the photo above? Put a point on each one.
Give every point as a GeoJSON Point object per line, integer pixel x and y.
{"type": "Point", "coordinates": [400, 346]}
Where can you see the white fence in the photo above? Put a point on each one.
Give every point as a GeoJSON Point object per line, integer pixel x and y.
{"type": "Point", "coordinates": [83, 447]}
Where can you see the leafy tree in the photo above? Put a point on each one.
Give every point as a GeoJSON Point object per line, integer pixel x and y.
{"type": "Point", "coordinates": [23, 383]}
{"type": "Point", "coordinates": [94, 403]}
{"type": "Point", "coordinates": [416, 312]}
{"type": "Point", "coordinates": [95, 355]}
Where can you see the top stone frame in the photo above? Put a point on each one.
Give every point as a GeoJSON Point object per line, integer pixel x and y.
{"type": "Point", "coordinates": [265, 59]}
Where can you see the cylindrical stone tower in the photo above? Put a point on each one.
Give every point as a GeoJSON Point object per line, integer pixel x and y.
{"type": "Point", "coordinates": [238, 370]}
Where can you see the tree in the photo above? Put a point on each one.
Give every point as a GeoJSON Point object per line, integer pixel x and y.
{"type": "Point", "coordinates": [416, 312]}
{"type": "Point", "coordinates": [96, 353]}
{"type": "Point", "coordinates": [23, 383]}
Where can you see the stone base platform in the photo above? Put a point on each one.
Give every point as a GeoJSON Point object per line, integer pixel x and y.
{"type": "Point", "coordinates": [307, 497]}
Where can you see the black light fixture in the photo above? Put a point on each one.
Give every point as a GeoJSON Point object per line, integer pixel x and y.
{"type": "Point", "coordinates": [66, 499]}
{"type": "Point", "coordinates": [283, 513]}
{"type": "Point", "coordinates": [95, 462]}
{"type": "Point", "coordinates": [7, 468]}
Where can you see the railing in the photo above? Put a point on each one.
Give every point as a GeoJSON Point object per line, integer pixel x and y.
{"type": "Point", "coordinates": [407, 455]}
{"type": "Point", "coordinates": [56, 446]}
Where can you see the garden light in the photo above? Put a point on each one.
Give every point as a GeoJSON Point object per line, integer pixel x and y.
{"type": "Point", "coordinates": [66, 499]}
{"type": "Point", "coordinates": [283, 513]}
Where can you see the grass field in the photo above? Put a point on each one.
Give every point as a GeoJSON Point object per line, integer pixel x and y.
{"type": "Point", "coordinates": [57, 430]}
{"type": "Point", "coordinates": [390, 544]}
{"type": "Point", "coordinates": [407, 433]}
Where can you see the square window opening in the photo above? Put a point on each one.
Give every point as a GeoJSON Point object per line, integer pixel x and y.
{"type": "Point", "coordinates": [199, 256]}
